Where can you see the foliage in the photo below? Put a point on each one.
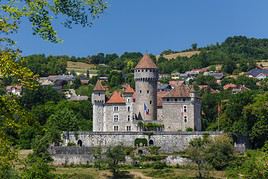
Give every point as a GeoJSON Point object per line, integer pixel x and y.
{"type": "Point", "coordinates": [206, 152]}
{"type": "Point", "coordinates": [40, 95]}
{"type": "Point", "coordinates": [115, 155]}
{"type": "Point", "coordinates": [7, 156]}
{"type": "Point", "coordinates": [253, 164]}
{"type": "Point", "coordinates": [142, 141]}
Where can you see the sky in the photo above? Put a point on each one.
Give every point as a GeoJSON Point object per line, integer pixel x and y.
{"type": "Point", "coordinates": [152, 26]}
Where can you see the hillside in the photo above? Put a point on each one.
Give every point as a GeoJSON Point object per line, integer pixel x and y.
{"type": "Point", "coordinates": [80, 67]}
{"type": "Point", "coordinates": [187, 54]}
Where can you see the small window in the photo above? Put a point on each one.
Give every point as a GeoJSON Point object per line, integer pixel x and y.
{"type": "Point", "coordinates": [176, 99]}
{"type": "Point", "coordinates": [138, 70]}
{"type": "Point", "coordinates": [140, 91]}
{"type": "Point", "coordinates": [185, 118]}
{"type": "Point", "coordinates": [128, 108]}
{"type": "Point", "coordinates": [184, 108]}
{"type": "Point", "coordinates": [128, 128]}
{"type": "Point", "coordinates": [168, 99]}
{"type": "Point", "coordinates": [150, 102]}
{"type": "Point", "coordinates": [128, 118]}
{"type": "Point", "coordinates": [147, 91]}
{"type": "Point", "coordinates": [128, 100]}
{"type": "Point", "coordinates": [141, 70]}
{"type": "Point", "coordinates": [115, 128]}
{"type": "Point", "coordinates": [116, 118]}
{"type": "Point", "coordinates": [99, 94]}
{"type": "Point", "coordinates": [184, 99]}
{"type": "Point", "coordinates": [115, 108]}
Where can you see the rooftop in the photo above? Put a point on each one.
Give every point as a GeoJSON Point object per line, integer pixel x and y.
{"type": "Point", "coordinates": [116, 98]}
{"type": "Point", "coordinates": [146, 62]}
{"type": "Point", "coordinates": [99, 86]}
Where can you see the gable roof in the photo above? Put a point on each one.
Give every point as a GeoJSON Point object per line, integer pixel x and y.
{"type": "Point", "coordinates": [146, 62]}
{"type": "Point", "coordinates": [116, 98]}
{"type": "Point", "coordinates": [256, 71]}
{"type": "Point", "coordinates": [179, 91]}
{"type": "Point", "coordinates": [99, 86]}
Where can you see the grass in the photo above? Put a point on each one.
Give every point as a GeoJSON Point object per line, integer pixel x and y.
{"type": "Point", "coordinates": [169, 173]}
{"type": "Point", "coordinates": [181, 54]}
{"type": "Point", "coordinates": [80, 67]}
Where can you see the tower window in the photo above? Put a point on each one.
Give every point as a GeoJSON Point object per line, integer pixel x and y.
{"type": "Point", "coordinates": [128, 100]}
{"type": "Point", "coordinates": [99, 94]}
{"type": "Point", "coordinates": [128, 108]}
{"type": "Point", "coordinates": [176, 99]}
{"type": "Point", "coordinates": [115, 128]}
{"type": "Point", "coordinates": [147, 91]}
{"type": "Point", "coordinates": [115, 108]}
{"type": "Point", "coordinates": [128, 128]}
{"type": "Point", "coordinates": [184, 108]}
{"type": "Point", "coordinates": [168, 99]}
{"type": "Point", "coordinates": [128, 118]}
{"type": "Point", "coordinates": [185, 118]}
{"type": "Point", "coordinates": [116, 118]}
{"type": "Point", "coordinates": [150, 102]}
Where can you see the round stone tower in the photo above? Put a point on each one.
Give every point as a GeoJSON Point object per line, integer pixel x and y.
{"type": "Point", "coordinates": [146, 77]}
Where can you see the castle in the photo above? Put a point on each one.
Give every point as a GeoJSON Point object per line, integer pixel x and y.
{"type": "Point", "coordinates": [146, 108]}
{"type": "Point", "coordinates": [136, 118]}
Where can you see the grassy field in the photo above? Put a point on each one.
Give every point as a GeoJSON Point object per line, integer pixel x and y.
{"type": "Point", "coordinates": [80, 67]}
{"type": "Point", "coordinates": [88, 173]}
{"type": "Point", "coordinates": [180, 54]}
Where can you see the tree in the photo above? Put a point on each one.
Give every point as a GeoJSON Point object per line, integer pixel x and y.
{"type": "Point", "coordinates": [115, 155]}
{"type": "Point", "coordinates": [219, 152]}
{"type": "Point", "coordinates": [196, 152]}
{"type": "Point", "coordinates": [194, 46]}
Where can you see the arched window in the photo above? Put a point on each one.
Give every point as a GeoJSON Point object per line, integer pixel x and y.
{"type": "Point", "coordinates": [80, 143]}
{"type": "Point", "coordinates": [151, 142]}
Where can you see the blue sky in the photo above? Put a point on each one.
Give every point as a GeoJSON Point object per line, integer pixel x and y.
{"type": "Point", "coordinates": [153, 26]}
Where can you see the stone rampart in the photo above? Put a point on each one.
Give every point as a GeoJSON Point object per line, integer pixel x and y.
{"type": "Point", "coordinates": [168, 141]}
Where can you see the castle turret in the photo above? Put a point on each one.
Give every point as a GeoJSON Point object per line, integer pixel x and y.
{"type": "Point", "coordinates": [98, 101]}
{"type": "Point", "coordinates": [146, 77]}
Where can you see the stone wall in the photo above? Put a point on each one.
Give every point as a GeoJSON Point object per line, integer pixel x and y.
{"type": "Point", "coordinates": [168, 141]}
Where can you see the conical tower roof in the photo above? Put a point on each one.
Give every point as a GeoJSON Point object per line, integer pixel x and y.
{"type": "Point", "coordinates": [146, 62]}
{"type": "Point", "coordinates": [99, 87]}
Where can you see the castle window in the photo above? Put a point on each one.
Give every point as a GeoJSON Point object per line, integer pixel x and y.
{"type": "Point", "coordinates": [115, 108]}
{"type": "Point", "coordinates": [176, 99]}
{"type": "Point", "coordinates": [141, 70]}
{"type": "Point", "coordinates": [167, 99]}
{"type": "Point", "coordinates": [128, 128]}
{"type": "Point", "coordinates": [128, 118]}
{"type": "Point", "coordinates": [128, 100]}
{"type": "Point", "coordinates": [138, 70]}
{"type": "Point", "coordinates": [140, 91]}
{"type": "Point", "coordinates": [128, 108]}
{"type": "Point", "coordinates": [147, 91]}
{"type": "Point", "coordinates": [150, 102]}
{"type": "Point", "coordinates": [116, 118]}
{"type": "Point", "coordinates": [115, 128]}
{"type": "Point", "coordinates": [99, 94]}
{"type": "Point", "coordinates": [184, 108]}
{"type": "Point", "coordinates": [185, 118]}
{"type": "Point", "coordinates": [183, 99]}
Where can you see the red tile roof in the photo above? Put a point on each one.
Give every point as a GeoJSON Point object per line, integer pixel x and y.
{"type": "Point", "coordinates": [99, 86]}
{"type": "Point", "coordinates": [229, 86]}
{"type": "Point", "coordinates": [128, 89]}
{"type": "Point", "coordinates": [179, 91]}
{"type": "Point", "coordinates": [116, 98]}
{"type": "Point", "coordinates": [146, 62]}
{"type": "Point", "coordinates": [160, 95]}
